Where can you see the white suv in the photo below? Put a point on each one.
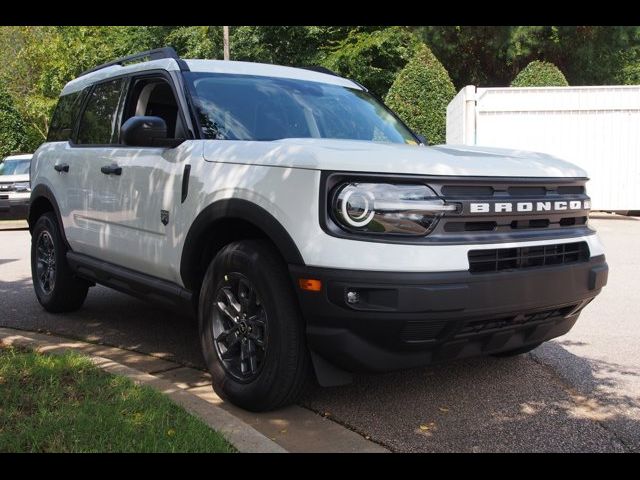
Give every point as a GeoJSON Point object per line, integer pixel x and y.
{"type": "Point", "coordinates": [303, 222]}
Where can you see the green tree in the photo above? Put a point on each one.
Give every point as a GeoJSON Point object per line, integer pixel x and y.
{"type": "Point", "coordinates": [12, 131]}
{"type": "Point", "coordinates": [196, 42]}
{"type": "Point", "coordinates": [473, 55]}
{"type": "Point", "coordinates": [420, 95]}
{"type": "Point", "coordinates": [491, 56]}
{"type": "Point", "coordinates": [284, 45]}
{"type": "Point", "coordinates": [540, 74]}
{"type": "Point", "coordinates": [372, 58]}
{"type": "Point", "coordinates": [36, 63]}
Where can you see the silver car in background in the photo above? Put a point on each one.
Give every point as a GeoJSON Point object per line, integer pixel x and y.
{"type": "Point", "coordinates": [15, 188]}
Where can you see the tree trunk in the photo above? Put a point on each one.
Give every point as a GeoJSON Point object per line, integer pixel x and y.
{"type": "Point", "coordinates": [225, 42]}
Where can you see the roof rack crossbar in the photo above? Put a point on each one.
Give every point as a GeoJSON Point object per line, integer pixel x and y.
{"type": "Point", "coordinates": [155, 54]}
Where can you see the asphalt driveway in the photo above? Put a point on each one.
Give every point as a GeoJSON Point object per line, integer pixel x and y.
{"type": "Point", "coordinates": [578, 393]}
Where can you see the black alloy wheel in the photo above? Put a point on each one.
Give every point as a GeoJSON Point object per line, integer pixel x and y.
{"type": "Point", "coordinates": [239, 327]}
{"type": "Point", "coordinates": [45, 262]}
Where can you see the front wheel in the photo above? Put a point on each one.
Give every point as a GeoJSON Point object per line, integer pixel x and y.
{"type": "Point", "coordinates": [57, 288]}
{"type": "Point", "coordinates": [251, 330]}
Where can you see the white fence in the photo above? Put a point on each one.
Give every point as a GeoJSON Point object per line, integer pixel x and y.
{"type": "Point", "coordinates": [597, 128]}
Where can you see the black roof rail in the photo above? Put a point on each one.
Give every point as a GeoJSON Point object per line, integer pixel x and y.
{"type": "Point", "coordinates": [155, 54]}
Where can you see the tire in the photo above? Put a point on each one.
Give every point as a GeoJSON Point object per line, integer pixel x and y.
{"type": "Point", "coordinates": [59, 290]}
{"type": "Point", "coordinates": [273, 374]}
{"type": "Point", "coordinates": [516, 351]}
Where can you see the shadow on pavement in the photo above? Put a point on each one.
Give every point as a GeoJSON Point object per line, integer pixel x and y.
{"type": "Point", "coordinates": [488, 405]}
{"type": "Point", "coordinates": [483, 404]}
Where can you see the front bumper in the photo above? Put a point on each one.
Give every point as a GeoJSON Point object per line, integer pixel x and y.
{"type": "Point", "coordinates": [405, 320]}
{"type": "Point", "coordinates": [14, 207]}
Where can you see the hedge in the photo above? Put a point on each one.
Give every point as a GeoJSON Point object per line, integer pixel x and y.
{"type": "Point", "coordinates": [12, 129]}
{"type": "Point", "coordinates": [420, 95]}
{"type": "Point", "coordinates": [540, 74]}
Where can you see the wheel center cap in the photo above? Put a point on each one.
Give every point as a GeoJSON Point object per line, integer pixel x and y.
{"type": "Point", "coordinates": [243, 327]}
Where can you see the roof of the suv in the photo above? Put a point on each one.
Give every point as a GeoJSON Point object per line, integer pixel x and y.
{"type": "Point", "coordinates": [213, 66]}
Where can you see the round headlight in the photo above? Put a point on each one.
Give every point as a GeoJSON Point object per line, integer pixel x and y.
{"type": "Point", "coordinates": [387, 208]}
{"type": "Point", "coordinates": [356, 206]}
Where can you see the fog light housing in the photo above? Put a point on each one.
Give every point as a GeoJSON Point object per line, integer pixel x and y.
{"type": "Point", "coordinates": [352, 297]}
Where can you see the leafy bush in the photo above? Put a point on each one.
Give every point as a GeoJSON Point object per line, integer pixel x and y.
{"type": "Point", "coordinates": [540, 74]}
{"type": "Point", "coordinates": [12, 130]}
{"type": "Point", "coordinates": [420, 95]}
{"type": "Point", "coordinates": [630, 74]}
{"type": "Point", "coordinates": [372, 58]}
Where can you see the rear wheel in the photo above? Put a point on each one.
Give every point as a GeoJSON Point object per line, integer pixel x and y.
{"type": "Point", "coordinates": [516, 351]}
{"type": "Point", "coordinates": [57, 288]}
{"type": "Point", "coordinates": [251, 329]}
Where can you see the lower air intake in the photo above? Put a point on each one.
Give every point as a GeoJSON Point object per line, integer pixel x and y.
{"type": "Point", "coordinates": [498, 259]}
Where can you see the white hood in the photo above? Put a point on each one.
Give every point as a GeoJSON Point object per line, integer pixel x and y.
{"type": "Point", "coordinates": [365, 156]}
{"type": "Point", "coordinates": [14, 178]}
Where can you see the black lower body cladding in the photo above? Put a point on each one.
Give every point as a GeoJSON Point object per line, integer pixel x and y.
{"type": "Point", "coordinates": [382, 321]}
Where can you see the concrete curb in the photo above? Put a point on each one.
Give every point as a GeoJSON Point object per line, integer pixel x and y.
{"type": "Point", "coordinates": [241, 435]}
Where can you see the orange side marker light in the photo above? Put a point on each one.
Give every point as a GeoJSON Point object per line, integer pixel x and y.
{"type": "Point", "coordinates": [310, 284]}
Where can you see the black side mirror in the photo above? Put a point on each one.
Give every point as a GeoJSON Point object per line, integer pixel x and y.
{"type": "Point", "coordinates": [143, 131]}
{"type": "Point", "coordinates": [422, 139]}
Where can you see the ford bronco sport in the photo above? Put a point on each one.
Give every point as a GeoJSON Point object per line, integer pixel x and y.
{"type": "Point", "coordinates": [303, 222]}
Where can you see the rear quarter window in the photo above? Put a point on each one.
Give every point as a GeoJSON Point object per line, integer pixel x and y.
{"type": "Point", "coordinates": [65, 116]}
{"type": "Point", "coordinates": [98, 122]}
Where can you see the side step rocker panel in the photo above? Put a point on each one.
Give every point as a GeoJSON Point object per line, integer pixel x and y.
{"type": "Point", "coordinates": [131, 282]}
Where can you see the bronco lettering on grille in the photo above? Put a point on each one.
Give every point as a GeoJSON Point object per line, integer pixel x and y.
{"type": "Point", "coordinates": [510, 207]}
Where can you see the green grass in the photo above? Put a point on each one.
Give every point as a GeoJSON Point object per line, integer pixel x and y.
{"type": "Point", "coordinates": [52, 403]}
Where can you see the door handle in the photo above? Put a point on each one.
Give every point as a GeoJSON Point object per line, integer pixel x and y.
{"type": "Point", "coordinates": [111, 170]}
{"type": "Point", "coordinates": [61, 167]}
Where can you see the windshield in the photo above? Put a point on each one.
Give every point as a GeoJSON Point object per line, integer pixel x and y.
{"type": "Point", "coordinates": [14, 167]}
{"type": "Point", "coordinates": [246, 107]}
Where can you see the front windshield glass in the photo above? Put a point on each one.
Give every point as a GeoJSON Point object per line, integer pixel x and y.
{"type": "Point", "coordinates": [246, 107]}
{"type": "Point", "coordinates": [14, 167]}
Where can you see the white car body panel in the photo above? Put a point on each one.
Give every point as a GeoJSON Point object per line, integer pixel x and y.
{"type": "Point", "coordinates": [363, 156]}
{"type": "Point", "coordinates": [133, 236]}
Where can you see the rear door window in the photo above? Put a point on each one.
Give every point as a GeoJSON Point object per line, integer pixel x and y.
{"type": "Point", "coordinates": [98, 125]}
{"type": "Point", "coordinates": [65, 116]}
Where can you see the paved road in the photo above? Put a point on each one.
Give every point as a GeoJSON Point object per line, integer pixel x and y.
{"type": "Point", "coordinates": [578, 393]}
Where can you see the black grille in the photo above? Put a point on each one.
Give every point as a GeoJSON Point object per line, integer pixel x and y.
{"type": "Point", "coordinates": [421, 330]}
{"type": "Point", "coordinates": [498, 259]}
{"type": "Point", "coordinates": [534, 192]}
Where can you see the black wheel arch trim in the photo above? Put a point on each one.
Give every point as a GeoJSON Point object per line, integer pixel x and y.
{"type": "Point", "coordinates": [238, 209]}
{"type": "Point", "coordinates": [43, 191]}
